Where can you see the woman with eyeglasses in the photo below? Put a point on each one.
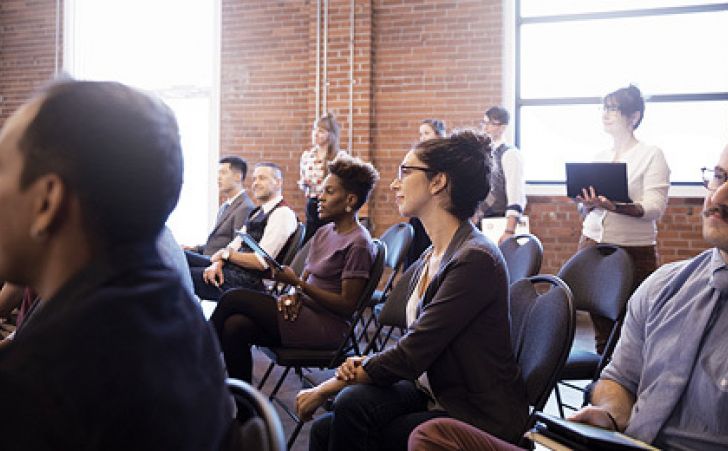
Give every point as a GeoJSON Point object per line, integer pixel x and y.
{"type": "Point", "coordinates": [455, 359]}
{"type": "Point", "coordinates": [325, 138]}
{"type": "Point", "coordinates": [429, 129]}
{"type": "Point", "coordinates": [632, 226]}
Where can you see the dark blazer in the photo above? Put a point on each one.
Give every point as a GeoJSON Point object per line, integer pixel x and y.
{"type": "Point", "coordinates": [462, 339]}
{"type": "Point", "coordinates": [230, 222]}
{"type": "Point", "coordinates": [120, 358]}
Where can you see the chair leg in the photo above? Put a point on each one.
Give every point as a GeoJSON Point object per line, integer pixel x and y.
{"type": "Point", "coordinates": [294, 434]}
{"type": "Point", "coordinates": [265, 376]}
{"type": "Point", "coordinates": [558, 400]}
{"type": "Point", "coordinates": [280, 382]}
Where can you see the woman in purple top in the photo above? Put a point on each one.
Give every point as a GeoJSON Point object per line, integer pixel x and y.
{"type": "Point", "coordinates": [317, 315]}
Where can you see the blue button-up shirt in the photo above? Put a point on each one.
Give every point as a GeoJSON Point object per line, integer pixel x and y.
{"type": "Point", "coordinates": [673, 355]}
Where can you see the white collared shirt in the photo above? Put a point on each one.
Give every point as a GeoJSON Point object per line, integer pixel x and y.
{"type": "Point", "coordinates": [281, 225]}
{"type": "Point", "coordinates": [512, 163]}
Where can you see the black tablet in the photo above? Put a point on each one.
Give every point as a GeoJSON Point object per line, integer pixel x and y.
{"type": "Point", "coordinates": [584, 436]}
{"type": "Point", "coordinates": [252, 244]}
{"type": "Point", "coordinates": [608, 179]}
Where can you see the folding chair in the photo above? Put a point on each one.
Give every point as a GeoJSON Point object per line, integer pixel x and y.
{"type": "Point", "coordinates": [398, 239]}
{"type": "Point", "coordinates": [600, 278]}
{"type": "Point", "coordinates": [257, 425]}
{"type": "Point", "coordinates": [542, 332]}
{"type": "Point", "coordinates": [298, 358]}
{"type": "Point", "coordinates": [523, 254]}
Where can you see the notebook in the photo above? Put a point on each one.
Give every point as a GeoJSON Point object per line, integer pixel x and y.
{"type": "Point", "coordinates": [608, 179]}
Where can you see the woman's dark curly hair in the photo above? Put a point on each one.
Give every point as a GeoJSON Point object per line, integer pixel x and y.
{"type": "Point", "coordinates": [356, 176]}
{"type": "Point", "coordinates": [465, 157]}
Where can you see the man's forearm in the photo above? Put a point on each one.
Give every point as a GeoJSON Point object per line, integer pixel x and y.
{"type": "Point", "coordinates": [616, 399]}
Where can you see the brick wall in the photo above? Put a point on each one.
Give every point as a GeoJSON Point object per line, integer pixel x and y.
{"type": "Point", "coordinates": [27, 50]}
{"type": "Point", "coordinates": [557, 223]}
{"type": "Point", "coordinates": [413, 60]}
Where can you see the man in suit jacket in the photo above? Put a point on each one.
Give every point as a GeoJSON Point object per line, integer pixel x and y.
{"type": "Point", "coordinates": [232, 213]}
{"type": "Point", "coordinates": [91, 171]}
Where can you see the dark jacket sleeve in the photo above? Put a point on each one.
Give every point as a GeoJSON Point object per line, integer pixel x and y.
{"type": "Point", "coordinates": [457, 301]}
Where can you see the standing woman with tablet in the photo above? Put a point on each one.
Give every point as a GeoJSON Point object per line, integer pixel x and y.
{"type": "Point", "coordinates": [325, 137]}
{"type": "Point", "coordinates": [632, 226]}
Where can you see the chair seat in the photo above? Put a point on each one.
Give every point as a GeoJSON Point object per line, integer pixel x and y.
{"type": "Point", "coordinates": [581, 364]}
{"type": "Point", "coordinates": [319, 358]}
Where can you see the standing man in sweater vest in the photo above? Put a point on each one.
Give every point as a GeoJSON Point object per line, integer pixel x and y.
{"type": "Point", "coordinates": [507, 184]}
{"type": "Point", "coordinates": [271, 224]}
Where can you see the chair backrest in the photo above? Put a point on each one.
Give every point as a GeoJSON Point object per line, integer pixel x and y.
{"type": "Point", "coordinates": [398, 239]}
{"type": "Point", "coordinates": [523, 254]}
{"type": "Point", "coordinates": [375, 274]}
{"type": "Point", "coordinates": [600, 278]}
{"type": "Point", "coordinates": [393, 311]}
{"type": "Point", "coordinates": [258, 425]}
{"type": "Point", "coordinates": [292, 246]}
{"type": "Point", "coordinates": [299, 261]}
{"type": "Point", "coordinates": [542, 333]}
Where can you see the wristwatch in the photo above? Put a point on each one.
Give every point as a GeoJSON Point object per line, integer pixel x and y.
{"type": "Point", "coordinates": [225, 255]}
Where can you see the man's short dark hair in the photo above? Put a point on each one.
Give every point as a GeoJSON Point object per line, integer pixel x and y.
{"type": "Point", "coordinates": [498, 114]}
{"type": "Point", "coordinates": [237, 164]}
{"type": "Point", "coordinates": [116, 149]}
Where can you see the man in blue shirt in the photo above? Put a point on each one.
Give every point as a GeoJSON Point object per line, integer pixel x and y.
{"type": "Point", "coordinates": [667, 383]}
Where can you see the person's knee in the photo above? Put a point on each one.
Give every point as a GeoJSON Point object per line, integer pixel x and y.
{"type": "Point", "coordinates": [351, 399]}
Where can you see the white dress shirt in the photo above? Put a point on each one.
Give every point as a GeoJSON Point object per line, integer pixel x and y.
{"type": "Point", "coordinates": [512, 163]}
{"type": "Point", "coordinates": [281, 225]}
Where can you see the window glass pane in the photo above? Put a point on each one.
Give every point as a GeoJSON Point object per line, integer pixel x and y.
{"type": "Point", "coordinates": [662, 54]}
{"type": "Point", "coordinates": [691, 134]}
{"type": "Point", "coordinates": [165, 47]}
{"type": "Point", "coordinates": [147, 44]}
{"type": "Point", "coordinates": [531, 8]}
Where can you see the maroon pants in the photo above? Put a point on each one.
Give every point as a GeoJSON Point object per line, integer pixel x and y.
{"type": "Point", "coordinates": [644, 259]}
{"type": "Point", "coordinates": [447, 434]}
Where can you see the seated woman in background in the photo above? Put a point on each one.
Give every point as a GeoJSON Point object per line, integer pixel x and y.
{"type": "Point", "coordinates": [631, 226]}
{"type": "Point", "coordinates": [456, 358]}
{"type": "Point", "coordinates": [429, 129]}
{"type": "Point", "coordinates": [325, 137]}
{"type": "Point", "coordinates": [336, 271]}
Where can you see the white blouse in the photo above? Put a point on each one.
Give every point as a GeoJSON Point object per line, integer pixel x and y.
{"type": "Point", "coordinates": [648, 182]}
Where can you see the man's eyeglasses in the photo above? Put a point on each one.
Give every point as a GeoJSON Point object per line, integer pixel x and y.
{"type": "Point", "coordinates": [405, 170]}
{"type": "Point", "coordinates": [714, 178]}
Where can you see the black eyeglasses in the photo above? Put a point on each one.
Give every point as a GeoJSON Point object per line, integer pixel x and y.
{"type": "Point", "coordinates": [714, 178]}
{"type": "Point", "coordinates": [405, 170]}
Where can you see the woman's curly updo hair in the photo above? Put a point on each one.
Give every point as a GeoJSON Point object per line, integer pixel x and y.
{"type": "Point", "coordinates": [465, 157]}
{"type": "Point", "coordinates": [356, 176]}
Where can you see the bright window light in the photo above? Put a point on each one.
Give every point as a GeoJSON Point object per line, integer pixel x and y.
{"type": "Point", "coordinates": [166, 47]}
{"type": "Point", "coordinates": [567, 64]}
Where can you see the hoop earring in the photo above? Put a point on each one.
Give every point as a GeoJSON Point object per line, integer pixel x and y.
{"type": "Point", "coordinates": [348, 209]}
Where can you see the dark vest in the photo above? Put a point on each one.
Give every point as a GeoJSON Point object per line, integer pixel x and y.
{"type": "Point", "coordinates": [256, 222]}
{"type": "Point", "coordinates": [497, 201]}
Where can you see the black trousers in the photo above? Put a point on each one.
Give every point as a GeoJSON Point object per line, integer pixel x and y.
{"type": "Point", "coordinates": [371, 417]}
{"type": "Point", "coordinates": [244, 318]}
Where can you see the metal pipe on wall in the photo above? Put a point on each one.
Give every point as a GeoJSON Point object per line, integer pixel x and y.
{"type": "Point", "coordinates": [318, 59]}
{"type": "Point", "coordinates": [326, 56]}
{"type": "Point", "coordinates": [351, 75]}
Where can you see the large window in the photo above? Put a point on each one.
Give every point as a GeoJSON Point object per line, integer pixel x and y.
{"type": "Point", "coordinates": [168, 48]}
{"type": "Point", "coordinates": [571, 53]}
